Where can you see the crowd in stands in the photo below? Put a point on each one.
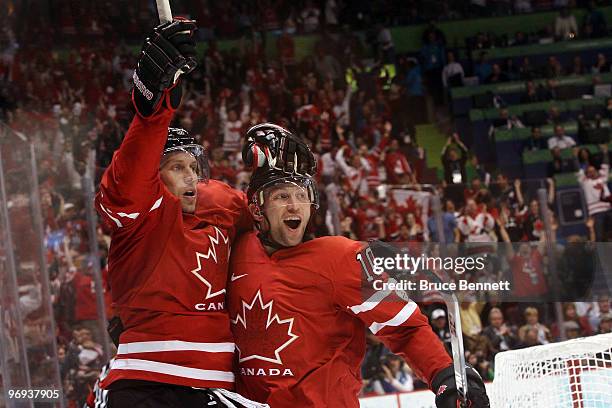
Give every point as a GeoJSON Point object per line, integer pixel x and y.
{"type": "Point", "coordinates": [359, 119]}
{"type": "Point", "coordinates": [231, 19]}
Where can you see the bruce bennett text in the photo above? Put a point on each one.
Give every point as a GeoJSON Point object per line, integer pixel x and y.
{"type": "Point", "coordinates": [424, 284]}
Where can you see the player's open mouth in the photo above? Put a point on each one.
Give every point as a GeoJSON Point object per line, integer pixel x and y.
{"type": "Point", "coordinates": [189, 194]}
{"type": "Point", "coordinates": [293, 222]}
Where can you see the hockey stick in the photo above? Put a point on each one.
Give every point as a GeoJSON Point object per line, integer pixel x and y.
{"type": "Point", "coordinates": [165, 16]}
{"type": "Point", "coordinates": [454, 326]}
{"type": "Point", "coordinates": [164, 11]}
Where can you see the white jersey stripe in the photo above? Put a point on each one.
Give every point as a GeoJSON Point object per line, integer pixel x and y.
{"type": "Point", "coordinates": [156, 204]}
{"type": "Point", "coordinates": [174, 345]}
{"type": "Point", "coordinates": [111, 217]}
{"type": "Point", "coordinates": [130, 215]}
{"type": "Point", "coordinates": [371, 303]}
{"type": "Point", "coordinates": [172, 369]}
{"type": "Point", "coordinates": [397, 320]}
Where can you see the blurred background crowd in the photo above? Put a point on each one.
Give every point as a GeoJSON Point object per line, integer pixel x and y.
{"type": "Point", "coordinates": [482, 118]}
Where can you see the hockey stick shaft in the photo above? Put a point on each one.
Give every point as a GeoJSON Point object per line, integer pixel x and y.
{"type": "Point", "coordinates": [456, 334]}
{"type": "Point", "coordinates": [164, 11]}
{"type": "Point", "coordinates": [454, 323]}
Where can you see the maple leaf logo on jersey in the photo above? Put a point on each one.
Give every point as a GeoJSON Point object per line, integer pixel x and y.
{"type": "Point", "coordinates": [261, 333]}
{"type": "Point", "coordinates": [212, 253]}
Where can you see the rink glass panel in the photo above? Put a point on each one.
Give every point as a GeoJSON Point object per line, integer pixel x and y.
{"type": "Point", "coordinates": [29, 349]}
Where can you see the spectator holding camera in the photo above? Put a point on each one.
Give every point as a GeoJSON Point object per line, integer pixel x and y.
{"type": "Point", "coordinates": [396, 377]}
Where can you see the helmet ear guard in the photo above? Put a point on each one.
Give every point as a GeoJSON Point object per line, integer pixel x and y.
{"type": "Point", "coordinates": [256, 212]}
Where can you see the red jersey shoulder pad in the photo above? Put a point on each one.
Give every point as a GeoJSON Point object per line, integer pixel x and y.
{"type": "Point", "coordinates": [338, 246]}
{"type": "Point", "coordinates": [222, 205]}
{"type": "Point", "coordinates": [216, 194]}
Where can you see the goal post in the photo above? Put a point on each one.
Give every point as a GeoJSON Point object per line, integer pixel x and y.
{"type": "Point", "coordinates": [572, 374]}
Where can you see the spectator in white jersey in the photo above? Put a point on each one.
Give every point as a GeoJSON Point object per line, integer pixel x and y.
{"type": "Point", "coordinates": [597, 195]}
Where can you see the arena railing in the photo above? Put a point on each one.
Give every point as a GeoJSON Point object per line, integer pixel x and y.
{"type": "Point", "coordinates": [28, 348]}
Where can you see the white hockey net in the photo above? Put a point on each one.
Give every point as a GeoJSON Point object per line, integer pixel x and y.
{"type": "Point", "coordinates": [572, 374]}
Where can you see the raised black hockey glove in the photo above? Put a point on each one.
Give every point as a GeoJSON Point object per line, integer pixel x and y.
{"type": "Point", "coordinates": [166, 54]}
{"type": "Point", "coordinates": [446, 391]}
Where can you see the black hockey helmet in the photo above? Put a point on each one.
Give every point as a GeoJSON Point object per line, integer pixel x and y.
{"type": "Point", "coordinates": [179, 140]}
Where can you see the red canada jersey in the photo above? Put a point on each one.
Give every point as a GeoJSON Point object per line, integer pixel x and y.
{"type": "Point", "coordinates": [299, 321]}
{"type": "Point", "coordinates": [528, 275]}
{"type": "Point", "coordinates": [85, 289]}
{"type": "Point", "coordinates": [168, 269]}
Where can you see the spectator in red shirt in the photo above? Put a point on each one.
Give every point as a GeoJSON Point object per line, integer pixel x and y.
{"type": "Point", "coordinates": [580, 322]}
{"type": "Point", "coordinates": [84, 296]}
{"type": "Point", "coordinates": [393, 222]}
{"type": "Point", "coordinates": [397, 167]}
{"type": "Point", "coordinates": [367, 216]}
{"type": "Point", "coordinates": [527, 266]}
{"type": "Point", "coordinates": [220, 168]}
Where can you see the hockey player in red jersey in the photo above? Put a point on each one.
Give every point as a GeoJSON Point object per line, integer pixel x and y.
{"type": "Point", "coordinates": [296, 307]}
{"type": "Point", "coordinates": [171, 237]}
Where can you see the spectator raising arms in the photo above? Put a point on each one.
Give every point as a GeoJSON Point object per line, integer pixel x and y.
{"type": "Point", "coordinates": [475, 225]}
{"type": "Point", "coordinates": [454, 160]}
{"type": "Point", "coordinates": [231, 124]}
{"type": "Point", "coordinates": [597, 195]}
{"type": "Point", "coordinates": [398, 169]}
{"type": "Point", "coordinates": [527, 267]}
